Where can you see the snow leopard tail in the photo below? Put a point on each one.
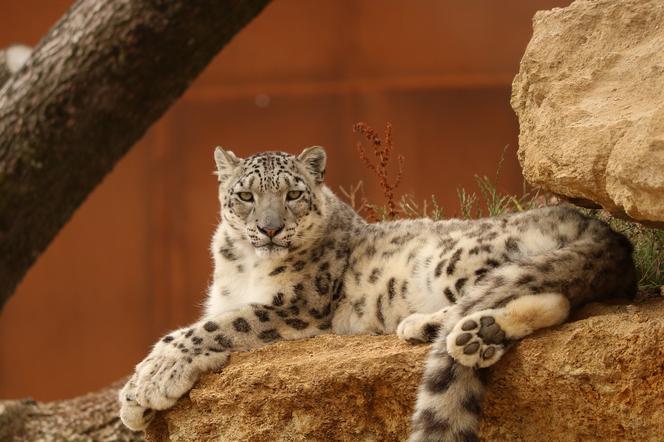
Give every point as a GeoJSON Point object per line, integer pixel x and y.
{"type": "Point", "coordinates": [449, 402]}
{"type": "Point", "coordinates": [590, 262]}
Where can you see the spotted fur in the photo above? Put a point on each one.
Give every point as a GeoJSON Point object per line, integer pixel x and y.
{"type": "Point", "coordinates": [293, 261]}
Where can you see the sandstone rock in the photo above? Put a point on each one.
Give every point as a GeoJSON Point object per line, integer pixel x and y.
{"type": "Point", "coordinates": [590, 104]}
{"type": "Point", "coordinates": [598, 377]}
{"type": "Point", "coordinates": [328, 388]}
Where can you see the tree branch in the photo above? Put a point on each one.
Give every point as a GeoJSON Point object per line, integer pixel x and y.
{"type": "Point", "coordinates": [11, 60]}
{"type": "Point", "coordinates": [92, 87]}
{"type": "Point", "coordinates": [92, 417]}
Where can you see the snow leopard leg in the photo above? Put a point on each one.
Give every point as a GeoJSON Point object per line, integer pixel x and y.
{"type": "Point", "coordinates": [177, 360]}
{"type": "Point", "coordinates": [597, 264]}
{"type": "Point", "coordinates": [450, 397]}
{"type": "Point", "coordinates": [532, 292]}
{"type": "Point", "coordinates": [481, 338]}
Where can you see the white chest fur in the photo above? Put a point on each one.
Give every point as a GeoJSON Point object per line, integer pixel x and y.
{"type": "Point", "coordinates": [238, 281]}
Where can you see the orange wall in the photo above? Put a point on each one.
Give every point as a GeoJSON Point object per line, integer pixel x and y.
{"type": "Point", "coordinates": [133, 261]}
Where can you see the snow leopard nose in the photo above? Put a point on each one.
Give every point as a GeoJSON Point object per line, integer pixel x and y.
{"type": "Point", "coordinates": [271, 231]}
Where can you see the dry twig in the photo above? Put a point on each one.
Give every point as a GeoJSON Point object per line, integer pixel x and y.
{"type": "Point", "coordinates": [382, 149]}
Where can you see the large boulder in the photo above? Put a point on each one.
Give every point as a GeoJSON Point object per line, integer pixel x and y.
{"type": "Point", "coordinates": [590, 104]}
{"type": "Point", "coordinates": [599, 377]}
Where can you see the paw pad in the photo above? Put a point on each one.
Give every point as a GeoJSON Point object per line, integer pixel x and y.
{"type": "Point", "coordinates": [477, 341]}
{"type": "Point", "coordinates": [469, 325]}
{"type": "Point", "coordinates": [490, 332]}
{"type": "Point", "coordinates": [471, 348]}
{"type": "Point", "coordinates": [463, 338]}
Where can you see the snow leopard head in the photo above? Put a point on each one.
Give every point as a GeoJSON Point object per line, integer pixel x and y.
{"type": "Point", "coordinates": [273, 200]}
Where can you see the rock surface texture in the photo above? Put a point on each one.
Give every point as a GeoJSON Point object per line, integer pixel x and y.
{"type": "Point", "coordinates": [590, 104]}
{"type": "Point", "coordinates": [599, 377]}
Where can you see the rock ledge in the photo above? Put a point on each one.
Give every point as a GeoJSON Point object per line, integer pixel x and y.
{"type": "Point", "coordinates": [598, 377]}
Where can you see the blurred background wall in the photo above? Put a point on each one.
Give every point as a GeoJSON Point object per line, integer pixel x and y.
{"type": "Point", "coordinates": [133, 261]}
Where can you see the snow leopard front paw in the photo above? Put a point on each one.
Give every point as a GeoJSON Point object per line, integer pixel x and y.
{"type": "Point", "coordinates": [421, 327]}
{"type": "Point", "coordinates": [477, 340]}
{"type": "Point", "coordinates": [169, 371]}
{"type": "Point", "coordinates": [132, 414]}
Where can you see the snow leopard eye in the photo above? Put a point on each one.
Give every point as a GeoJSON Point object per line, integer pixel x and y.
{"type": "Point", "coordinates": [293, 195]}
{"type": "Point", "coordinates": [247, 197]}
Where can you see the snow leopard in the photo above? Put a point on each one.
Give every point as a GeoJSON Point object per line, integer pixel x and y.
{"type": "Point", "coordinates": [292, 261]}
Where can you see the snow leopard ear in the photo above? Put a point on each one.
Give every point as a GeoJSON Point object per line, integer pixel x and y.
{"type": "Point", "coordinates": [314, 159]}
{"type": "Point", "coordinates": [226, 161]}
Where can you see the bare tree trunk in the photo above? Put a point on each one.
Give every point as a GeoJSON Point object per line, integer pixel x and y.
{"type": "Point", "coordinates": [92, 87]}
{"type": "Point", "coordinates": [92, 417]}
{"type": "Point", "coordinates": [11, 60]}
